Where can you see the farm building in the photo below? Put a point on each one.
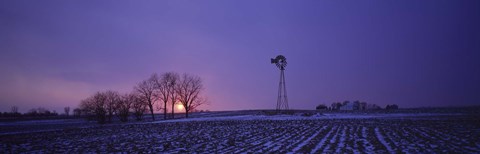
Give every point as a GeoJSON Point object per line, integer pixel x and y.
{"type": "Point", "coordinates": [347, 106]}
{"type": "Point", "coordinates": [372, 107]}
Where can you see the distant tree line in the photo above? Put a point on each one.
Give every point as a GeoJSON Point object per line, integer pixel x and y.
{"type": "Point", "coordinates": [164, 91]}
{"type": "Point", "coordinates": [355, 105]}
{"type": "Point", "coordinates": [35, 112]}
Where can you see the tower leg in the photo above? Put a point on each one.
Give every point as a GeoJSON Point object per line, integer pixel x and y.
{"type": "Point", "coordinates": [285, 100]}
{"type": "Point", "coordinates": [282, 101]}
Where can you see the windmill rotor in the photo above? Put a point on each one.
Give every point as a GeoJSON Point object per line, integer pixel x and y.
{"type": "Point", "coordinates": [280, 61]}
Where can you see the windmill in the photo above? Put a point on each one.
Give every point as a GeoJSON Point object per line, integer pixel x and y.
{"type": "Point", "coordinates": [282, 101]}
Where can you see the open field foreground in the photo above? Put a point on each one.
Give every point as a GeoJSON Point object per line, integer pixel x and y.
{"type": "Point", "coordinates": [264, 134]}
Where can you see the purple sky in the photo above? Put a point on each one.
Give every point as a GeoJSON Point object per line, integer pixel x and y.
{"type": "Point", "coordinates": [411, 53]}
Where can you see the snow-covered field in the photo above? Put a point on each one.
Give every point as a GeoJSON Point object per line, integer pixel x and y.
{"type": "Point", "coordinates": [329, 133]}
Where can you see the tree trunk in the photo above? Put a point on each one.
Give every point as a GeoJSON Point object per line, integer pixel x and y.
{"type": "Point", "coordinates": [165, 110]}
{"type": "Point", "coordinates": [173, 111]}
{"type": "Point", "coordinates": [151, 111]}
{"type": "Point", "coordinates": [186, 114]}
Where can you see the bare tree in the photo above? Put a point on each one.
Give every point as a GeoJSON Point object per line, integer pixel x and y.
{"type": "Point", "coordinates": [165, 86]}
{"type": "Point", "coordinates": [67, 110]}
{"type": "Point", "coordinates": [188, 90]}
{"type": "Point", "coordinates": [336, 105]}
{"type": "Point", "coordinates": [172, 80]}
{"type": "Point", "coordinates": [123, 106]}
{"type": "Point", "coordinates": [112, 98]}
{"type": "Point", "coordinates": [160, 93]}
{"type": "Point", "coordinates": [87, 106]}
{"type": "Point", "coordinates": [139, 106]}
{"type": "Point", "coordinates": [77, 112]}
{"type": "Point", "coordinates": [99, 102]}
{"type": "Point", "coordinates": [14, 109]}
{"type": "Point", "coordinates": [96, 105]}
{"type": "Point", "coordinates": [146, 91]}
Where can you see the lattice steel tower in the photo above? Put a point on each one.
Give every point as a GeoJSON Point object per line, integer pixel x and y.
{"type": "Point", "coordinates": [282, 101]}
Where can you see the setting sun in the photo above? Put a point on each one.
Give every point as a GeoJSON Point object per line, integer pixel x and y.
{"type": "Point", "coordinates": [179, 107]}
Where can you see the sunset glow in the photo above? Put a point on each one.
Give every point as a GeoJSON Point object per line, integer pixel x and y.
{"type": "Point", "coordinates": [179, 107]}
{"type": "Point", "coordinates": [53, 54]}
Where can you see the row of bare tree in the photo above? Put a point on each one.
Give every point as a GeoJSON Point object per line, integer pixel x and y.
{"type": "Point", "coordinates": [103, 105]}
{"type": "Point", "coordinates": [160, 90]}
